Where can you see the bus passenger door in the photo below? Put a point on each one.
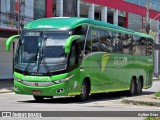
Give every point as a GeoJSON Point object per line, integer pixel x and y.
{"type": "Point", "coordinates": [73, 69]}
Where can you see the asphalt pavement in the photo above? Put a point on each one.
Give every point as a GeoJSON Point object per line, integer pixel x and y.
{"type": "Point", "coordinates": [6, 86]}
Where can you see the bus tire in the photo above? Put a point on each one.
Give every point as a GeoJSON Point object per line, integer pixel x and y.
{"type": "Point", "coordinates": [38, 98]}
{"type": "Point", "coordinates": [51, 97]}
{"type": "Point", "coordinates": [84, 91]}
{"type": "Point", "coordinates": [132, 91]}
{"type": "Point", "coordinates": [139, 87]}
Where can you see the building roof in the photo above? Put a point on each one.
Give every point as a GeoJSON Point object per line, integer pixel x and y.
{"type": "Point", "coordinates": [129, 7]}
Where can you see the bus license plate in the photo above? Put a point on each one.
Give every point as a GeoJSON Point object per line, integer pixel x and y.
{"type": "Point", "coordinates": [36, 92]}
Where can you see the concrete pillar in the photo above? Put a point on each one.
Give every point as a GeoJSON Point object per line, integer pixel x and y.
{"type": "Point", "coordinates": [126, 20]}
{"type": "Point", "coordinates": [104, 14]}
{"type": "Point", "coordinates": [59, 8]}
{"type": "Point", "coordinates": [91, 11]}
{"type": "Point", "coordinates": [115, 17]}
{"type": "Point", "coordinates": [49, 8]}
{"type": "Point", "coordinates": [156, 52]}
{"type": "Point", "coordinates": [78, 8]}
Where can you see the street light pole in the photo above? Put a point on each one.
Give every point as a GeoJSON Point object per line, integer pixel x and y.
{"type": "Point", "coordinates": [147, 25]}
{"type": "Point", "coordinates": [156, 53]}
{"type": "Point", "coordinates": [19, 17]}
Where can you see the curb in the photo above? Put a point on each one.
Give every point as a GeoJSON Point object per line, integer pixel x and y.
{"type": "Point", "coordinates": [156, 79]}
{"type": "Point", "coordinates": [156, 97]}
{"type": "Point", "coordinates": [5, 91]}
{"type": "Point", "coordinates": [133, 102]}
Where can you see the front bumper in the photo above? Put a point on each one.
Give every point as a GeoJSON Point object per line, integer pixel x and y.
{"type": "Point", "coordinates": [60, 89]}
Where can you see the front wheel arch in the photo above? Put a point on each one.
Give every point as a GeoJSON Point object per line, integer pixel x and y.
{"type": "Point", "coordinates": [85, 90]}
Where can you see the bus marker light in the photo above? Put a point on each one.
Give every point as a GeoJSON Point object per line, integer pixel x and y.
{"type": "Point", "coordinates": [36, 84]}
{"type": "Point", "coordinates": [60, 90]}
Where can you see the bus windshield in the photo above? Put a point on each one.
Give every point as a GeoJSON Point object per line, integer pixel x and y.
{"type": "Point", "coordinates": [41, 52]}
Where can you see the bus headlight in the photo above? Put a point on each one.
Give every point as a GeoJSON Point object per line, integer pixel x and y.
{"type": "Point", "coordinates": [63, 80]}
{"type": "Point", "coordinates": [17, 79]}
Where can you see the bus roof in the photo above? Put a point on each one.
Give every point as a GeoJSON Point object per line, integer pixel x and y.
{"type": "Point", "coordinates": [57, 23]}
{"type": "Point", "coordinates": [64, 23]}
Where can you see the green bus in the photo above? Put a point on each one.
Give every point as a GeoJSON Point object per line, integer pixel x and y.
{"type": "Point", "coordinates": [72, 56]}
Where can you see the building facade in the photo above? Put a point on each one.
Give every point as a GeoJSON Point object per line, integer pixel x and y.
{"type": "Point", "coordinates": [9, 9]}
{"type": "Point", "coordinates": [131, 14]}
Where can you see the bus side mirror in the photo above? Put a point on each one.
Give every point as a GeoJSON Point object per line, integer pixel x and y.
{"type": "Point", "coordinates": [9, 41]}
{"type": "Point", "coordinates": [69, 42]}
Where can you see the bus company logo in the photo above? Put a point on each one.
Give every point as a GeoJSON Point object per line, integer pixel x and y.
{"type": "Point", "coordinates": [120, 61]}
{"type": "Point", "coordinates": [102, 64]}
{"type": "Point", "coordinates": [34, 78]}
{"type": "Point", "coordinates": [104, 61]}
{"type": "Point", "coordinates": [36, 84]}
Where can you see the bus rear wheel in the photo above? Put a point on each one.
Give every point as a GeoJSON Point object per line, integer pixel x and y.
{"type": "Point", "coordinates": [132, 90]}
{"type": "Point", "coordinates": [139, 87]}
{"type": "Point", "coordinates": [38, 98]}
{"type": "Point", "coordinates": [84, 91]}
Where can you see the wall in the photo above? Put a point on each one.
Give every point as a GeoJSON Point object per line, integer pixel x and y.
{"type": "Point", "coordinates": [134, 22]}
{"type": "Point", "coordinates": [6, 61]}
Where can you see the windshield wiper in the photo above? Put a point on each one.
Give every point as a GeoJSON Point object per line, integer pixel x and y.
{"type": "Point", "coordinates": [43, 59]}
{"type": "Point", "coordinates": [33, 57]}
{"type": "Point", "coordinates": [46, 66]}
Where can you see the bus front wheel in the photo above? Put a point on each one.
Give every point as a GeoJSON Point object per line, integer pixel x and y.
{"type": "Point", "coordinates": [38, 98]}
{"type": "Point", "coordinates": [84, 91]}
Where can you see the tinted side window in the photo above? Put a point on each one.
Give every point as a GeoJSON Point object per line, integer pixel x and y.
{"type": "Point", "coordinates": [80, 48]}
{"type": "Point", "coordinates": [95, 36]}
{"type": "Point", "coordinates": [73, 54]}
{"type": "Point", "coordinates": [103, 39]}
{"type": "Point", "coordinates": [106, 41]}
{"type": "Point", "coordinates": [116, 42]}
{"type": "Point", "coordinates": [127, 43]}
{"type": "Point", "coordinates": [136, 46]}
{"type": "Point", "coordinates": [88, 47]}
{"type": "Point", "coordinates": [143, 44]}
{"type": "Point", "coordinates": [111, 41]}
{"type": "Point", "coordinates": [149, 47]}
